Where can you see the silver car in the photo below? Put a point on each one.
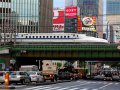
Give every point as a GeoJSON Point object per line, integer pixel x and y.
{"type": "Point", "coordinates": [36, 76]}
{"type": "Point", "coordinates": [20, 77]}
{"type": "Point", "coordinates": [2, 74]}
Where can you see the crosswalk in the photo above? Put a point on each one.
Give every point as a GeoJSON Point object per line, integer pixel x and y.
{"type": "Point", "coordinates": [78, 85]}
{"type": "Point", "coordinates": [57, 88]}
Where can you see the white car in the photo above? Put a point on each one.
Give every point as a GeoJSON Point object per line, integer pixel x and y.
{"type": "Point", "coordinates": [36, 76]}
{"type": "Point", "coordinates": [2, 74]}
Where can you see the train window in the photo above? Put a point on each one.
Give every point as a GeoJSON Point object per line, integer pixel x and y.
{"type": "Point", "coordinates": [57, 36]}
{"type": "Point", "coordinates": [64, 36]}
{"type": "Point", "coordinates": [33, 37]}
{"type": "Point", "coordinates": [39, 36]}
{"type": "Point", "coordinates": [43, 36]}
{"type": "Point", "coordinates": [47, 37]}
{"type": "Point", "coordinates": [36, 36]}
{"type": "Point", "coordinates": [29, 36]}
{"type": "Point", "coordinates": [7, 35]}
{"type": "Point", "coordinates": [61, 37]}
{"type": "Point", "coordinates": [68, 36]}
{"type": "Point", "coordinates": [21, 35]}
{"type": "Point", "coordinates": [50, 36]}
{"type": "Point", "coordinates": [26, 37]}
{"type": "Point", "coordinates": [54, 36]}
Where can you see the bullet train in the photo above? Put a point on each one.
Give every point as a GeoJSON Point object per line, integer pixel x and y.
{"type": "Point", "coordinates": [53, 38]}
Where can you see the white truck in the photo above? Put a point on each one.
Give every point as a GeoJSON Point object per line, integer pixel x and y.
{"type": "Point", "coordinates": [49, 71]}
{"type": "Point", "coordinates": [29, 68]}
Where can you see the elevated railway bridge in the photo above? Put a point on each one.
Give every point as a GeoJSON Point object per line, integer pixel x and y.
{"type": "Point", "coordinates": [67, 51]}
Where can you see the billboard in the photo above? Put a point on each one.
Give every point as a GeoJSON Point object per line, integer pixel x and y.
{"type": "Point", "coordinates": [71, 12]}
{"type": "Point", "coordinates": [58, 20]}
{"type": "Point", "coordinates": [89, 23]}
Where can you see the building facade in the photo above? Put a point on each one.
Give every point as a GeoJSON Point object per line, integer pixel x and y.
{"type": "Point", "coordinates": [26, 16]}
{"type": "Point", "coordinates": [89, 8]}
{"type": "Point", "coordinates": [113, 20]}
{"type": "Point", "coordinates": [23, 16]}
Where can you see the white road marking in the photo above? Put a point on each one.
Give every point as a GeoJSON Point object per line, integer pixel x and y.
{"type": "Point", "coordinates": [63, 88]}
{"type": "Point", "coordinates": [105, 86]}
{"type": "Point", "coordinates": [50, 88]}
{"type": "Point", "coordinates": [73, 89]}
{"type": "Point", "coordinates": [116, 83]}
{"type": "Point", "coordinates": [42, 87]}
{"type": "Point", "coordinates": [84, 89]}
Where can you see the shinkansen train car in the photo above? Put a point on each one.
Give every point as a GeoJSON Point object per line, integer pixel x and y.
{"type": "Point", "coordinates": [53, 38]}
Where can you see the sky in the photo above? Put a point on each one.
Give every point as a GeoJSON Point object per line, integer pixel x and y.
{"type": "Point", "coordinates": [59, 3]}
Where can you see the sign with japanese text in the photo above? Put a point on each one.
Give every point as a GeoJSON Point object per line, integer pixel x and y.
{"type": "Point", "coordinates": [71, 12]}
{"type": "Point", "coordinates": [58, 20]}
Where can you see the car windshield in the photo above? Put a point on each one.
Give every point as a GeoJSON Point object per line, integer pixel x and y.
{"type": "Point", "coordinates": [31, 73]}
{"type": "Point", "coordinates": [13, 73]}
{"type": "Point", "coordinates": [1, 73]}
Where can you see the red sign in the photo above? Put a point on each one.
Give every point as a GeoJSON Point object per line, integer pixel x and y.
{"type": "Point", "coordinates": [58, 16]}
{"type": "Point", "coordinates": [58, 20]}
{"type": "Point", "coordinates": [79, 23]}
{"type": "Point", "coordinates": [71, 12]}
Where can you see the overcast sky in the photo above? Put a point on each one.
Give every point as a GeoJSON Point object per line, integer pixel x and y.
{"type": "Point", "coordinates": [59, 3]}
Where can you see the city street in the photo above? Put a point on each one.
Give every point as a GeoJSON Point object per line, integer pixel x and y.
{"type": "Point", "coordinates": [74, 85]}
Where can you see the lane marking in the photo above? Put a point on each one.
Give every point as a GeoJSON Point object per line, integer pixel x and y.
{"type": "Point", "coordinates": [105, 86]}
{"type": "Point", "coordinates": [42, 87]}
{"type": "Point", "coordinates": [74, 89]}
{"type": "Point", "coordinates": [51, 88]}
{"type": "Point", "coordinates": [116, 83]}
{"type": "Point", "coordinates": [84, 89]}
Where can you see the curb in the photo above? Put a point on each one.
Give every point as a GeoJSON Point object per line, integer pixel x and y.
{"type": "Point", "coordinates": [7, 87]}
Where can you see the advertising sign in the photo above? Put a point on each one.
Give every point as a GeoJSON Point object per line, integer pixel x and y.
{"type": "Point", "coordinates": [58, 20]}
{"type": "Point", "coordinates": [71, 12]}
{"type": "Point", "coordinates": [89, 23]}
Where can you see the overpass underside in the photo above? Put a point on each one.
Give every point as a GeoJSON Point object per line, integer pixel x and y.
{"type": "Point", "coordinates": [65, 52]}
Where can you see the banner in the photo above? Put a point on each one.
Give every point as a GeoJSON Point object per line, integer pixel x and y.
{"type": "Point", "coordinates": [58, 20]}
{"type": "Point", "coordinates": [71, 12]}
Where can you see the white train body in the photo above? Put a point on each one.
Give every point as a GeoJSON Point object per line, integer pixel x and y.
{"type": "Point", "coordinates": [52, 37]}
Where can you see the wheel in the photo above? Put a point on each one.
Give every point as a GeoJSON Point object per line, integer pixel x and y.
{"type": "Point", "coordinates": [38, 81]}
{"type": "Point", "coordinates": [23, 82]}
{"type": "Point", "coordinates": [52, 80]}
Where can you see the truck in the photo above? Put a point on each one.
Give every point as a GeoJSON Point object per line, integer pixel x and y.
{"type": "Point", "coordinates": [29, 68]}
{"type": "Point", "coordinates": [49, 71]}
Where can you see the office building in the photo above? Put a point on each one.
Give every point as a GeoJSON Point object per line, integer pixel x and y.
{"type": "Point", "coordinates": [113, 20]}
{"type": "Point", "coordinates": [26, 16]}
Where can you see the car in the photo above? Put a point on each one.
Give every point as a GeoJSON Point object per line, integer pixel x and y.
{"type": "Point", "coordinates": [65, 76]}
{"type": "Point", "coordinates": [36, 76]}
{"type": "Point", "coordinates": [20, 77]}
{"type": "Point", "coordinates": [2, 74]}
{"type": "Point", "coordinates": [99, 77]}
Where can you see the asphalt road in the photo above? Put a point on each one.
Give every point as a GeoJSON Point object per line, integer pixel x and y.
{"type": "Point", "coordinates": [74, 85]}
